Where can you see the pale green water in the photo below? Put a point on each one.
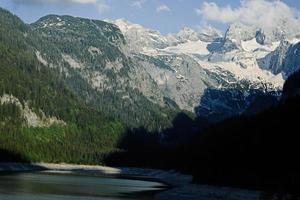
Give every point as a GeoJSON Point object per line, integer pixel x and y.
{"type": "Point", "coordinates": [42, 186]}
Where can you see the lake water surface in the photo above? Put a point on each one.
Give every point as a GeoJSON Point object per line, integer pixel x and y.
{"type": "Point", "coordinates": [46, 186]}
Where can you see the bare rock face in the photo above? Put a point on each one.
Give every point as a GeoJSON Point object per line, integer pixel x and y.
{"type": "Point", "coordinates": [31, 118]}
{"type": "Point", "coordinates": [190, 70]}
{"type": "Point", "coordinates": [292, 60]}
{"type": "Point", "coordinates": [203, 71]}
{"type": "Point", "coordinates": [285, 59]}
{"type": "Point", "coordinates": [260, 37]}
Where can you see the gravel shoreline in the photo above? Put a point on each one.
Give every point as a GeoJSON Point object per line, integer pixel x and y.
{"type": "Point", "coordinates": [182, 185]}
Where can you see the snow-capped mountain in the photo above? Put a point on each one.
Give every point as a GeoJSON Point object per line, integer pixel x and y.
{"type": "Point", "coordinates": [284, 60]}
{"type": "Point", "coordinates": [187, 34]}
{"type": "Point", "coordinates": [189, 65]}
{"type": "Point", "coordinates": [207, 34]}
{"type": "Point", "coordinates": [145, 40]}
{"type": "Point", "coordinates": [199, 71]}
{"type": "Point", "coordinates": [140, 38]}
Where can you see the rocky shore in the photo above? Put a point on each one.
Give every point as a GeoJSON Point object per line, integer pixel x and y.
{"type": "Point", "coordinates": [182, 187]}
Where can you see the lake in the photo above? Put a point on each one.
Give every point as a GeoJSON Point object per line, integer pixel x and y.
{"type": "Point", "coordinates": [49, 186]}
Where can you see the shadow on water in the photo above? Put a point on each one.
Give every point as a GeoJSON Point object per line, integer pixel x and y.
{"type": "Point", "coordinates": [50, 186]}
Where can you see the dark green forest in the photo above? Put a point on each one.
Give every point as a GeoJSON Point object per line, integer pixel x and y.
{"type": "Point", "coordinates": [94, 122]}
{"type": "Point", "coordinates": [76, 40]}
{"type": "Point", "coordinates": [255, 151]}
{"type": "Point", "coordinates": [258, 151]}
{"type": "Point", "coordinates": [88, 134]}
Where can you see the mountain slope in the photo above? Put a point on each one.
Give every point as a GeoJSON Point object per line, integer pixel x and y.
{"type": "Point", "coordinates": [187, 65]}
{"type": "Point", "coordinates": [135, 66]}
{"type": "Point", "coordinates": [93, 56]}
{"type": "Point", "coordinates": [66, 129]}
{"type": "Point", "coordinates": [143, 78]}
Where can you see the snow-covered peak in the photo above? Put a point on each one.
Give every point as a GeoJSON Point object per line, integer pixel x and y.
{"type": "Point", "coordinates": [239, 35]}
{"type": "Point", "coordinates": [210, 34]}
{"type": "Point", "coordinates": [139, 37]}
{"type": "Point", "coordinates": [280, 31]}
{"type": "Point", "coordinates": [283, 29]}
{"type": "Point", "coordinates": [206, 34]}
{"type": "Point", "coordinates": [238, 32]}
{"type": "Point", "coordinates": [235, 34]}
{"type": "Point", "coordinates": [243, 47]}
{"type": "Point", "coordinates": [125, 25]}
{"type": "Point", "coordinates": [187, 34]}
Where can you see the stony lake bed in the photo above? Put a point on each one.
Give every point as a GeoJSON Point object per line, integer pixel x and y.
{"type": "Point", "coordinates": [64, 181]}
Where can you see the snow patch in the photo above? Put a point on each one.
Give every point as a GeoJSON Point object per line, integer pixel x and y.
{"type": "Point", "coordinates": [253, 73]}
{"type": "Point", "coordinates": [190, 47]}
{"type": "Point", "coordinates": [252, 45]}
{"type": "Point", "coordinates": [294, 41]}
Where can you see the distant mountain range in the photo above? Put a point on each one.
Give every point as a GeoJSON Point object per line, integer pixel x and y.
{"type": "Point", "coordinates": [85, 91]}
{"type": "Point", "coordinates": [213, 75]}
{"type": "Point", "coordinates": [143, 78]}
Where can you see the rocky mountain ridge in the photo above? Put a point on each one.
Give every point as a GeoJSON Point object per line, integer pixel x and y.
{"type": "Point", "coordinates": [185, 65]}
{"type": "Point", "coordinates": [119, 68]}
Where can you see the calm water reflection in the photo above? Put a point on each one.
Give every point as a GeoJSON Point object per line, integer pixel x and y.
{"type": "Point", "coordinates": [42, 186]}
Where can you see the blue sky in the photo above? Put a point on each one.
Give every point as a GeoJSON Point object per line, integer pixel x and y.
{"type": "Point", "coordinates": [167, 16]}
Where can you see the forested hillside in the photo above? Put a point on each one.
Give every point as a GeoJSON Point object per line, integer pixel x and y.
{"type": "Point", "coordinates": [92, 56]}
{"type": "Point", "coordinates": [65, 96]}
{"type": "Point", "coordinates": [78, 134]}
